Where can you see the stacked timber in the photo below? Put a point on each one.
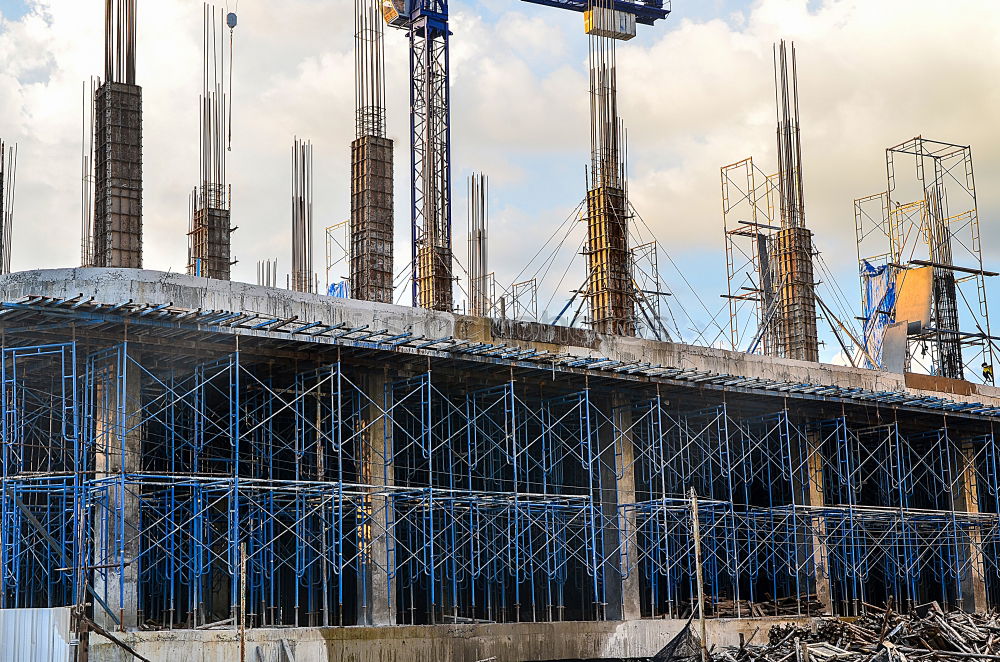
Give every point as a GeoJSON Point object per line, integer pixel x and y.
{"type": "Point", "coordinates": [927, 634]}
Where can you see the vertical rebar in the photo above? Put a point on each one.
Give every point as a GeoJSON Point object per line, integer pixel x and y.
{"type": "Point", "coordinates": [369, 69]}
{"type": "Point", "coordinates": [87, 178]}
{"type": "Point", "coordinates": [209, 236]}
{"type": "Point", "coordinates": [302, 216]}
{"type": "Point", "coordinates": [795, 286]}
{"type": "Point", "coordinates": [945, 290]}
{"type": "Point", "coordinates": [371, 231]}
{"type": "Point", "coordinates": [479, 299]}
{"type": "Point", "coordinates": [119, 41]}
{"type": "Point", "coordinates": [8, 179]}
{"type": "Point", "coordinates": [117, 162]}
{"type": "Point", "coordinates": [610, 288]}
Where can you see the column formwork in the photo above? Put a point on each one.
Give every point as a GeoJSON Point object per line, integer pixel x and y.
{"type": "Point", "coordinates": [610, 290]}
{"type": "Point", "coordinates": [371, 219]}
{"type": "Point", "coordinates": [796, 318]}
{"type": "Point", "coordinates": [211, 234]}
{"type": "Point", "coordinates": [118, 176]}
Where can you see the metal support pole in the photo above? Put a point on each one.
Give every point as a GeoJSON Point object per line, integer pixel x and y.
{"type": "Point", "coordinates": [696, 532]}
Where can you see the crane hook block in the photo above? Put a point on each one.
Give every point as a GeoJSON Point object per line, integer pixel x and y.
{"type": "Point", "coordinates": [396, 13]}
{"type": "Point", "coordinates": [231, 20]}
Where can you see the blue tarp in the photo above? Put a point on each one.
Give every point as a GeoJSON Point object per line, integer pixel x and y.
{"type": "Point", "coordinates": [339, 290]}
{"type": "Point", "coordinates": [879, 284]}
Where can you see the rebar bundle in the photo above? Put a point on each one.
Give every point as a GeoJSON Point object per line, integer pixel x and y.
{"type": "Point", "coordinates": [303, 279]}
{"type": "Point", "coordinates": [119, 41]}
{"type": "Point", "coordinates": [606, 162]}
{"type": "Point", "coordinates": [371, 231]}
{"type": "Point", "coordinates": [87, 178]}
{"type": "Point", "coordinates": [479, 295]}
{"type": "Point", "coordinates": [267, 272]}
{"type": "Point", "coordinates": [369, 69]}
{"type": "Point", "coordinates": [210, 229]}
{"type": "Point", "coordinates": [610, 287]}
{"type": "Point", "coordinates": [117, 220]}
{"type": "Point", "coordinates": [8, 179]}
{"type": "Point", "coordinates": [796, 315]}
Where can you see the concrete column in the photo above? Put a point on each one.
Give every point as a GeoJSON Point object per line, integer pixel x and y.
{"type": "Point", "coordinates": [631, 601]}
{"type": "Point", "coordinates": [118, 176]}
{"type": "Point", "coordinates": [966, 492]}
{"type": "Point", "coordinates": [378, 474]}
{"type": "Point", "coordinates": [617, 489]}
{"type": "Point", "coordinates": [815, 501]}
{"type": "Point", "coordinates": [117, 535]}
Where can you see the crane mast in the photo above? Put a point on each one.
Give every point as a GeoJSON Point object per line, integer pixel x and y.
{"type": "Point", "coordinates": [430, 133]}
{"type": "Point", "coordinates": [430, 127]}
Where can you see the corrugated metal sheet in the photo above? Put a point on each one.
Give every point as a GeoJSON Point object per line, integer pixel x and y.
{"type": "Point", "coordinates": [35, 635]}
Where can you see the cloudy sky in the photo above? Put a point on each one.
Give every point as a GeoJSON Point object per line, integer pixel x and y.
{"type": "Point", "coordinates": [696, 92]}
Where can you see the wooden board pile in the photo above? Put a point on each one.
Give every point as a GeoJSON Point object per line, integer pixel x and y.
{"type": "Point", "coordinates": [928, 635]}
{"type": "Point", "coordinates": [805, 605]}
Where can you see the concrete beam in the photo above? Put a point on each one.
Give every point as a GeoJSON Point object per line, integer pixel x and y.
{"type": "Point", "coordinates": [147, 286]}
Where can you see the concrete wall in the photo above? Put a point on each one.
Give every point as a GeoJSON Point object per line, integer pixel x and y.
{"type": "Point", "coordinates": [522, 642]}
{"type": "Point", "coordinates": [144, 286]}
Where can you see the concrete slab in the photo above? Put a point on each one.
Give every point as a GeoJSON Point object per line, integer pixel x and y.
{"type": "Point", "coordinates": [146, 286]}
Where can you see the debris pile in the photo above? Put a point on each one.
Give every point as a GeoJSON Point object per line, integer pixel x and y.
{"type": "Point", "coordinates": [803, 605]}
{"type": "Point", "coordinates": [927, 634]}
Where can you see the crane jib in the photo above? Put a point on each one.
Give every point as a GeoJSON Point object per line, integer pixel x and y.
{"type": "Point", "coordinates": [645, 13]}
{"type": "Point", "coordinates": [399, 13]}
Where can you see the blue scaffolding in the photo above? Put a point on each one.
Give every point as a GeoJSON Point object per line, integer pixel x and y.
{"type": "Point", "coordinates": [143, 475]}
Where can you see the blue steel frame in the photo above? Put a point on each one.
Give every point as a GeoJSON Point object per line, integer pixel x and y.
{"type": "Point", "coordinates": [487, 500]}
{"type": "Point", "coordinates": [41, 485]}
{"type": "Point", "coordinates": [888, 509]}
{"type": "Point", "coordinates": [500, 516]}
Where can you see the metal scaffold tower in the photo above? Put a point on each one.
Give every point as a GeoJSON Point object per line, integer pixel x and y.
{"type": "Point", "coordinates": [922, 275]}
{"type": "Point", "coordinates": [371, 226]}
{"type": "Point", "coordinates": [818, 515]}
{"type": "Point", "coordinates": [749, 201]}
{"type": "Point", "coordinates": [117, 226]}
{"type": "Point", "coordinates": [210, 230]}
{"type": "Point", "coordinates": [769, 250]}
{"type": "Point", "coordinates": [430, 124]}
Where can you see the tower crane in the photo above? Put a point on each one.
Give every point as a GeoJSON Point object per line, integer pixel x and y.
{"type": "Point", "coordinates": [426, 22]}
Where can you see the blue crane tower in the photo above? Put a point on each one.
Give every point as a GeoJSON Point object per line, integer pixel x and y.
{"type": "Point", "coordinates": [430, 126]}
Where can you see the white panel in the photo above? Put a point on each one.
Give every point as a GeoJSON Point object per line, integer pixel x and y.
{"type": "Point", "coordinates": [35, 635]}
